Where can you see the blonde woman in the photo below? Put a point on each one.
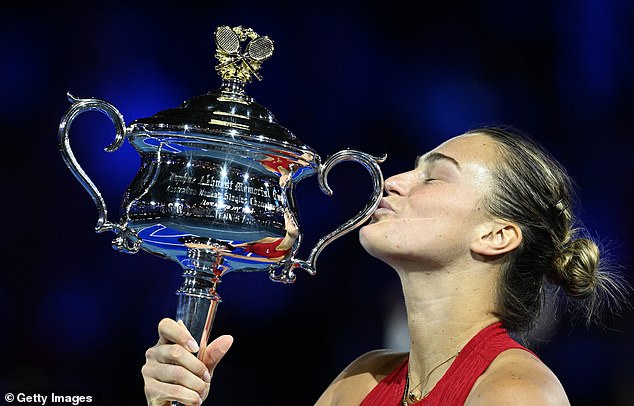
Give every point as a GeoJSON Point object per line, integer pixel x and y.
{"type": "Point", "coordinates": [474, 231]}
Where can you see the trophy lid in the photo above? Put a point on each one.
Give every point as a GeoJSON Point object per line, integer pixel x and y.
{"type": "Point", "coordinates": [228, 113]}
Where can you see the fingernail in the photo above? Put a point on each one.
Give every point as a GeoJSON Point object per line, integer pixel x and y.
{"type": "Point", "coordinates": [207, 377]}
{"type": "Point", "coordinates": [200, 401]}
{"type": "Point", "coordinates": [192, 345]}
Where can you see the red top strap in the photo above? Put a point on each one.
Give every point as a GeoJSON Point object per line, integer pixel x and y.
{"type": "Point", "coordinates": [455, 385]}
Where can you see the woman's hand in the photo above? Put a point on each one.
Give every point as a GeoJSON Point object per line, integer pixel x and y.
{"type": "Point", "coordinates": [172, 373]}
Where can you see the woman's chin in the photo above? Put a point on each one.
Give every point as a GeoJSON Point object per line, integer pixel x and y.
{"type": "Point", "coordinates": [368, 239]}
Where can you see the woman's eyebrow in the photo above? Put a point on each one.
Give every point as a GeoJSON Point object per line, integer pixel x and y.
{"type": "Point", "coordinates": [431, 157]}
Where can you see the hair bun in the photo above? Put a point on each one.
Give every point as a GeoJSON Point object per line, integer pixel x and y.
{"type": "Point", "coordinates": [576, 268]}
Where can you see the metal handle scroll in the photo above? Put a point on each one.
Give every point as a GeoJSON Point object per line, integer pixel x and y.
{"type": "Point", "coordinates": [371, 163]}
{"type": "Point", "coordinates": [80, 106]}
{"type": "Point", "coordinates": [77, 107]}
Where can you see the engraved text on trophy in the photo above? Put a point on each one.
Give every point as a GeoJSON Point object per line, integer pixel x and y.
{"type": "Point", "coordinates": [214, 192]}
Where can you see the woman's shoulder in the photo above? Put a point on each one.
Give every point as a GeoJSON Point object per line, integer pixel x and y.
{"type": "Point", "coordinates": [378, 362]}
{"type": "Point", "coordinates": [361, 376]}
{"type": "Point", "coordinates": [517, 377]}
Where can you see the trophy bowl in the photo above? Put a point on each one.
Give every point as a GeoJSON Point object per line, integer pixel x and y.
{"type": "Point", "coordinates": [215, 191]}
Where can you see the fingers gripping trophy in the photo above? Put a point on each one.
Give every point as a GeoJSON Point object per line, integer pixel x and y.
{"type": "Point", "coordinates": [215, 191]}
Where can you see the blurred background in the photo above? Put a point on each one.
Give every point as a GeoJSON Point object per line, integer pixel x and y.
{"type": "Point", "coordinates": [383, 78]}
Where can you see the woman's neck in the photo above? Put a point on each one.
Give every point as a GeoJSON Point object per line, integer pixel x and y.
{"type": "Point", "coordinates": [445, 309]}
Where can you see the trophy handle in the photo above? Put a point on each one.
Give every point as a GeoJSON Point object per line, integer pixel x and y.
{"type": "Point", "coordinates": [125, 240]}
{"type": "Point", "coordinates": [371, 163]}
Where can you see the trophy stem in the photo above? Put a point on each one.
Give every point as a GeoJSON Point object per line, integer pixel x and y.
{"type": "Point", "coordinates": [197, 305]}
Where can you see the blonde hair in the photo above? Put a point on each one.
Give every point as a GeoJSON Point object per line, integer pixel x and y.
{"type": "Point", "coordinates": [534, 191]}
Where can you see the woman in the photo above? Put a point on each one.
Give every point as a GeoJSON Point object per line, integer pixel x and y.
{"type": "Point", "coordinates": [475, 232]}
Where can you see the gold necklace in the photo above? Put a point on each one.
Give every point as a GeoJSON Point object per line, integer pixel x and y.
{"type": "Point", "coordinates": [409, 396]}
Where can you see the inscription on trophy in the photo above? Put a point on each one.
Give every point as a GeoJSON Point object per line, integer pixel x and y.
{"type": "Point", "coordinates": [220, 194]}
{"type": "Point", "coordinates": [223, 193]}
{"type": "Point", "coordinates": [205, 186]}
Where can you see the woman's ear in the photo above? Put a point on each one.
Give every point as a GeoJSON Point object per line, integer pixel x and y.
{"type": "Point", "coordinates": [497, 237]}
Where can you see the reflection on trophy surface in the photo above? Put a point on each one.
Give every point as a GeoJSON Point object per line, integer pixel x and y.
{"type": "Point", "coordinates": [215, 191]}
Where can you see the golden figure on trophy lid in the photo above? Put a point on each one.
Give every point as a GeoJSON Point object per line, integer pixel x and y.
{"type": "Point", "coordinates": [236, 63]}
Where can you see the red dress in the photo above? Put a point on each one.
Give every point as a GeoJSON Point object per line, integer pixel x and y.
{"type": "Point", "coordinates": [455, 385]}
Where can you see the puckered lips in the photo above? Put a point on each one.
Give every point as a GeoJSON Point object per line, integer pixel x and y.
{"type": "Point", "coordinates": [383, 208]}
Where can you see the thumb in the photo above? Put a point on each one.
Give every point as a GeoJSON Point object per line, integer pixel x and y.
{"type": "Point", "coordinates": [216, 350]}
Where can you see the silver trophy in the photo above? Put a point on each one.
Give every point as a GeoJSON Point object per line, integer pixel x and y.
{"type": "Point", "coordinates": [216, 188]}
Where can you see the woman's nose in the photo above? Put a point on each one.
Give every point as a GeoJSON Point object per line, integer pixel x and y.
{"type": "Point", "coordinates": [397, 184]}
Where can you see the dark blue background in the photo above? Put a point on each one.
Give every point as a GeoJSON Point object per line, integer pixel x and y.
{"type": "Point", "coordinates": [382, 78]}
